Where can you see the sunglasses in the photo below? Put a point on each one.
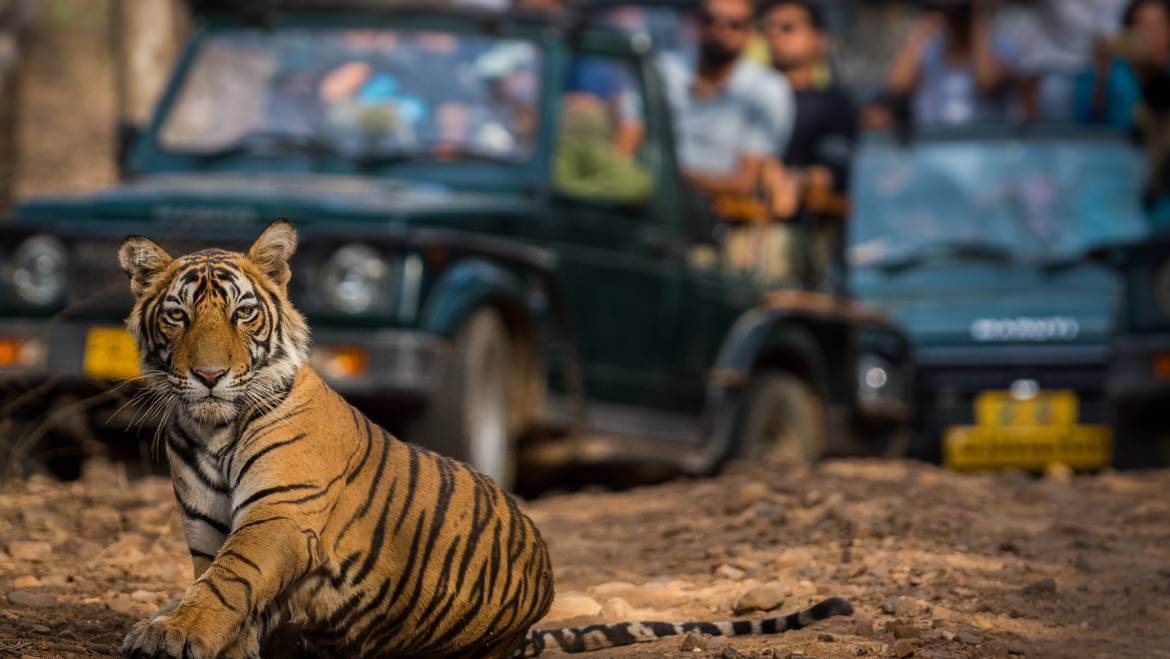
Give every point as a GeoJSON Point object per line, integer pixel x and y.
{"type": "Point", "coordinates": [739, 24]}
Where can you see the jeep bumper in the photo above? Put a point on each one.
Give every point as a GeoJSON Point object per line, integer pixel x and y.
{"type": "Point", "coordinates": [378, 363]}
{"type": "Point", "coordinates": [398, 363]}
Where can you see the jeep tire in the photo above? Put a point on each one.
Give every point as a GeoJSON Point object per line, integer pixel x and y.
{"type": "Point", "coordinates": [467, 418]}
{"type": "Point", "coordinates": [781, 418]}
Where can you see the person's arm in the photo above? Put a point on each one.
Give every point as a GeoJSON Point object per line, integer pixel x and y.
{"type": "Point", "coordinates": [990, 71]}
{"type": "Point", "coordinates": [630, 134]}
{"type": "Point", "coordinates": [1102, 58]}
{"type": "Point", "coordinates": [625, 104]}
{"type": "Point", "coordinates": [907, 67]}
{"type": "Point", "coordinates": [742, 181]}
{"type": "Point", "coordinates": [631, 129]}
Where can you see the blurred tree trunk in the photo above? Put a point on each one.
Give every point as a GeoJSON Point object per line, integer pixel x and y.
{"type": "Point", "coordinates": [146, 36]}
{"type": "Point", "coordinates": [14, 18]}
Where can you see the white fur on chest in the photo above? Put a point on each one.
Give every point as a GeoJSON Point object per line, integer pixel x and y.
{"type": "Point", "coordinates": [201, 485]}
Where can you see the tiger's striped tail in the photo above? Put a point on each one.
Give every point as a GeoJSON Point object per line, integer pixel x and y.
{"type": "Point", "coordinates": [596, 637]}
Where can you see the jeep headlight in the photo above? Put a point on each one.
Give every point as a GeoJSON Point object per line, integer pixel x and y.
{"type": "Point", "coordinates": [875, 379]}
{"type": "Point", "coordinates": [38, 270]}
{"type": "Point", "coordinates": [354, 279]}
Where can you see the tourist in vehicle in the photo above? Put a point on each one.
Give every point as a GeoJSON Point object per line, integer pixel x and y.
{"type": "Point", "coordinates": [595, 80]}
{"type": "Point", "coordinates": [818, 157]}
{"type": "Point", "coordinates": [1130, 90]}
{"type": "Point", "coordinates": [731, 115]}
{"type": "Point", "coordinates": [1128, 65]}
{"type": "Point", "coordinates": [1057, 39]}
{"type": "Point", "coordinates": [953, 68]}
{"type": "Point", "coordinates": [730, 112]}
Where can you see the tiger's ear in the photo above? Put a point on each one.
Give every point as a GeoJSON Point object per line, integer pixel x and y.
{"type": "Point", "coordinates": [273, 249]}
{"type": "Point", "coordinates": [143, 260]}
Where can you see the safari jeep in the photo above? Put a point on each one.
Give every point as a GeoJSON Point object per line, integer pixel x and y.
{"type": "Point", "coordinates": [484, 266]}
{"type": "Point", "coordinates": [979, 240]}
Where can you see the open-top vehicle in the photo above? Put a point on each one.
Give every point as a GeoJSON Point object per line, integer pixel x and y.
{"type": "Point", "coordinates": [981, 241]}
{"type": "Point", "coordinates": [484, 267]}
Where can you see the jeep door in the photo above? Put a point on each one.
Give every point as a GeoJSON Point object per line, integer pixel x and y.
{"type": "Point", "coordinates": [620, 268]}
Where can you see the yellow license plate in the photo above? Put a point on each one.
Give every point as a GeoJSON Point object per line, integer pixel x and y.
{"type": "Point", "coordinates": [110, 354]}
{"type": "Point", "coordinates": [1031, 448]}
{"type": "Point", "coordinates": [1027, 432]}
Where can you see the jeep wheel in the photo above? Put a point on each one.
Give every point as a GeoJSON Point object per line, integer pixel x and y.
{"type": "Point", "coordinates": [781, 419]}
{"type": "Point", "coordinates": [468, 417]}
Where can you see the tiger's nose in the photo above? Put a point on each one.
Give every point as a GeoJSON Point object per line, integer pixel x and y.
{"type": "Point", "coordinates": [209, 377]}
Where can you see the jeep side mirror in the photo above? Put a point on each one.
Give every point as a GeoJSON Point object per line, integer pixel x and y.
{"type": "Point", "coordinates": [128, 135]}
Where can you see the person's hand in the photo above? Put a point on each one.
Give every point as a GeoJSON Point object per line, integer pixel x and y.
{"type": "Point", "coordinates": [818, 189]}
{"type": "Point", "coordinates": [781, 188]}
{"type": "Point", "coordinates": [818, 178]}
{"type": "Point", "coordinates": [876, 116]}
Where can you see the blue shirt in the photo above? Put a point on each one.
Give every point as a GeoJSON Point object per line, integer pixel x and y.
{"type": "Point", "coordinates": [606, 79]}
{"type": "Point", "coordinates": [1123, 92]}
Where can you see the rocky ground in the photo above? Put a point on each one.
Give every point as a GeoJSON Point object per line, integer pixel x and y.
{"type": "Point", "coordinates": [937, 564]}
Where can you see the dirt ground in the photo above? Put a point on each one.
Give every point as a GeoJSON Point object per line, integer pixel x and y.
{"type": "Point", "coordinates": [937, 564]}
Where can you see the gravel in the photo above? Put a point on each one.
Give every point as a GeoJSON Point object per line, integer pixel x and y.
{"type": "Point", "coordinates": [925, 558]}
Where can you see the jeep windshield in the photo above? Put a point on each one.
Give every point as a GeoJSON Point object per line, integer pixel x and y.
{"type": "Point", "coordinates": [994, 195]}
{"type": "Point", "coordinates": [671, 27]}
{"type": "Point", "coordinates": [374, 97]}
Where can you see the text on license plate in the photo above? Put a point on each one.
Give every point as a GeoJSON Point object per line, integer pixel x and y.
{"type": "Point", "coordinates": [1029, 433]}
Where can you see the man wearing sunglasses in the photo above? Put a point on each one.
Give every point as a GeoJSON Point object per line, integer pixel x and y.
{"type": "Point", "coordinates": [818, 157]}
{"type": "Point", "coordinates": [730, 112]}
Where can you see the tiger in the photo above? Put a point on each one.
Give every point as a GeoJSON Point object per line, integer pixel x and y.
{"type": "Point", "coordinates": [299, 512]}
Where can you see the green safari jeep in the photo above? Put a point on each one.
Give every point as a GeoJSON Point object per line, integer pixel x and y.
{"type": "Point", "coordinates": [487, 268]}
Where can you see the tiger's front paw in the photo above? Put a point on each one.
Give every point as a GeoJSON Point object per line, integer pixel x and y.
{"type": "Point", "coordinates": [162, 637]}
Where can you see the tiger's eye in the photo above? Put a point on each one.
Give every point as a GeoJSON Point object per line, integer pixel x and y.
{"type": "Point", "coordinates": [176, 315]}
{"type": "Point", "coordinates": [244, 314]}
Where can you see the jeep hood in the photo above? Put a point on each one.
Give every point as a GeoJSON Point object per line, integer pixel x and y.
{"type": "Point", "coordinates": [973, 304]}
{"type": "Point", "coordinates": [241, 199]}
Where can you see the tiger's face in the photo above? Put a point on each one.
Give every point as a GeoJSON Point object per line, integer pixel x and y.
{"type": "Point", "coordinates": [215, 330]}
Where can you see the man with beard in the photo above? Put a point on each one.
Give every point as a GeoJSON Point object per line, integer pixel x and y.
{"type": "Point", "coordinates": [730, 113]}
{"type": "Point", "coordinates": [818, 157]}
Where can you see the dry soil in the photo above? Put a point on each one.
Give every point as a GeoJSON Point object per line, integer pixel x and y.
{"type": "Point", "coordinates": [937, 564]}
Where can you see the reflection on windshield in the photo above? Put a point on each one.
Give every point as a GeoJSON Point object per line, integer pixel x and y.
{"type": "Point", "coordinates": [1039, 199]}
{"type": "Point", "coordinates": [670, 29]}
{"type": "Point", "coordinates": [359, 92]}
